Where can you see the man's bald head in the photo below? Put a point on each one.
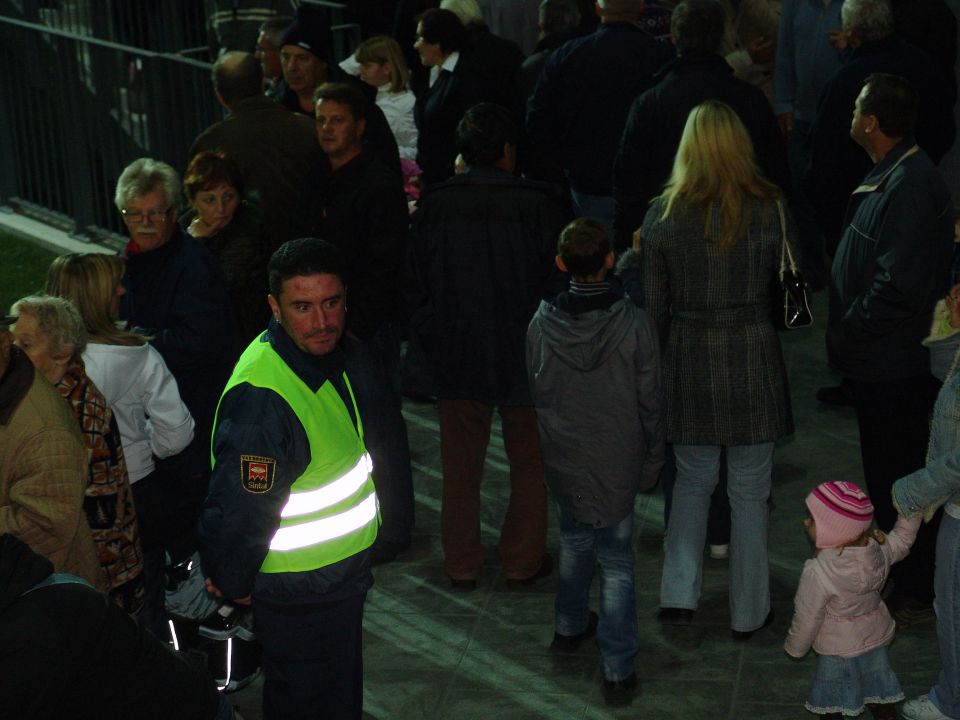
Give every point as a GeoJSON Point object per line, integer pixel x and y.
{"type": "Point", "coordinates": [236, 76]}
{"type": "Point", "coordinates": [619, 10]}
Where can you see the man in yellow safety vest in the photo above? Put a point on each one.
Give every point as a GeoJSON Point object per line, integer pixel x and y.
{"type": "Point", "coordinates": [291, 511]}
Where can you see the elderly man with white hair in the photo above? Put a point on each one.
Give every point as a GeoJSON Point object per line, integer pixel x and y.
{"type": "Point", "coordinates": [175, 295]}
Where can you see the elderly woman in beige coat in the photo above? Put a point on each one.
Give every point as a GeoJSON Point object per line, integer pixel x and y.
{"type": "Point", "coordinates": [43, 467]}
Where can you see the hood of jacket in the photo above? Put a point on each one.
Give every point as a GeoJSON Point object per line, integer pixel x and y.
{"type": "Point", "coordinates": [124, 366]}
{"type": "Point", "coordinates": [855, 570]}
{"type": "Point", "coordinates": [20, 569]}
{"type": "Point", "coordinates": [586, 340]}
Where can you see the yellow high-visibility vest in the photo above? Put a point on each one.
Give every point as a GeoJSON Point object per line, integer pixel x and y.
{"type": "Point", "coordinates": [332, 512]}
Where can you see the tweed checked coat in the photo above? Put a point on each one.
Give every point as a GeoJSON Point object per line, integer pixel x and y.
{"type": "Point", "coordinates": [723, 374]}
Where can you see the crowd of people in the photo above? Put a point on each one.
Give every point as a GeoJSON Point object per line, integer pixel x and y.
{"type": "Point", "coordinates": [585, 231]}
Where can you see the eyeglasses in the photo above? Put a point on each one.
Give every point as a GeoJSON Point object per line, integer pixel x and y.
{"type": "Point", "coordinates": [137, 216]}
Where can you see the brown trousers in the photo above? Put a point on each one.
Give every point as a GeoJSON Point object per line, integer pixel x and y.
{"type": "Point", "coordinates": [464, 435]}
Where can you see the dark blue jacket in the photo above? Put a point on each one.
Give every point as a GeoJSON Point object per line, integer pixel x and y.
{"type": "Point", "coordinates": [236, 526]}
{"type": "Point", "coordinates": [837, 164]}
{"type": "Point", "coordinates": [580, 103]}
{"type": "Point", "coordinates": [891, 267]}
{"type": "Point", "coordinates": [177, 295]}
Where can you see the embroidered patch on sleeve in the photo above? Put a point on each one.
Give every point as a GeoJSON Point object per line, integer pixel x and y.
{"type": "Point", "coordinates": [257, 473]}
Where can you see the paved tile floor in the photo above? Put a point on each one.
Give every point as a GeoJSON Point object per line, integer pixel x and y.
{"type": "Point", "coordinates": [434, 654]}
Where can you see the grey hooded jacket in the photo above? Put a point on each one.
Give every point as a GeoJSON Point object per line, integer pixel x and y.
{"type": "Point", "coordinates": [595, 379]}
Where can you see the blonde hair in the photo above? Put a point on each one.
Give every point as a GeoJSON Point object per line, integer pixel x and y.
{"type": "Point", "coordinates": [863, 538]}
{"type": "Point", "coordinates": [89, 281]}
{"type": "Point", "coordinates": [59, 320]}
{"type": "Point", "coordinates": [714, 168]}
{"type": "Point", "coordinates": [382, 49]}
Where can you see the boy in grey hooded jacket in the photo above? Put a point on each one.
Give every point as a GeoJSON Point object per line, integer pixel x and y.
{"type": "Point", "coordinates": [593, 362]}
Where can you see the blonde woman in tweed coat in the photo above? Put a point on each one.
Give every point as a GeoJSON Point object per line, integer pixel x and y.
{"type": "Point", "coordinates": [711, 247]}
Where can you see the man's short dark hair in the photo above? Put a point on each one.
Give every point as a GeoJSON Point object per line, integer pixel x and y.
{"type": "Point", "coordinates": [345, 94]}
{"type": "Point", "coordinates": [444, 28]}
{"type": "Point", "coordinates": [697, 26]}
{"type": "Point", "coordinates": [483, 131]}
{"type": "Point", "coordinates": [236, 76]}
{"type": "Point", "coordinates": [583, 247]}
{"type": "Point", "coordinates": [306, 256]}
{"type": "Point", "coordinates": [893, 102]}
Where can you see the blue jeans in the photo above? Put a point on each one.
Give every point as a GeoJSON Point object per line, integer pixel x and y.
{"type": "Point", "coordinates": [748, 484]}
{"type": "Point", "coordinates": [946, 693]}
{"type": "Point", "coordinates": [581, 548]}
{"type": "Point", "coordinates": [373, 366]}
{"type": "Point", "coordinates": [718, 518]}
{"type": "Point", "coordinates": [600, 207]}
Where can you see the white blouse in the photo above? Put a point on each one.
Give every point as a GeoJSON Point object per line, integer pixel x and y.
{"type": "Point", "coordinates": [398, 109]}
{"type": "Point", "coordinates": [138, 386]}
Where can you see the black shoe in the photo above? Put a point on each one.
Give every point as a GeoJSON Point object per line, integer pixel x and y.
{"type": "Point", "coordinates": [463, 585]}
{"type": "Point", "coordinates": [384, 552]}
{"type": "Point", "coordinates": [546, 567]}
{"type": "Point", "coordinates": [840, 395]}
{"type": "Point", "coordinates": [619, 693]}
{"type": "Point", "coordinates": [570, 643]}
{"type": "Point", "coordinates": [675, 616]}
{"type": "Point", "coordinates": [229, 621]}
{"type": "Point", "coordinates": [744, 635]}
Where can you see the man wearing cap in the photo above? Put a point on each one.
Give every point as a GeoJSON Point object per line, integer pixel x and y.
{"type": "Point", "coordinates": [292, 512]}
{"type": "Point", "coordinates": [304, 52]}
{"type": "Point", "coordinates": [43, 467]}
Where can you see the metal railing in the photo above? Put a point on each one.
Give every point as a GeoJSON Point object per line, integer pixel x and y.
{"type": "Point", "coordinates": [170, 26]}
{"type": "Point", "coordinates": [75, 109]}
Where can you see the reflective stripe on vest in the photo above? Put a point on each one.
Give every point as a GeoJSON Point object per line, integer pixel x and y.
{"type": "Point", "coordinates": [294, 537]}
{"type": "Point", "coordinates": [332, 510]}
{"type": "Point", "coordinates": [303, 503]}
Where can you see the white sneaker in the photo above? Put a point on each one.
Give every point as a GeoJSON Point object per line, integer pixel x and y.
{"type": "Point", "coordinates": [720, 552]}
{"type": "Point", "coordinates": [922, 708]}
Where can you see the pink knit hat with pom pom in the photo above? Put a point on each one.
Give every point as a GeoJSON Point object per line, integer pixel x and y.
{"type": "Point", "coordinates": [841, 512]}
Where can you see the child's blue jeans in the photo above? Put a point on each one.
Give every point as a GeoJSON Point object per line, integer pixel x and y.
{"type": "Point", "coordinates": [581, 548]}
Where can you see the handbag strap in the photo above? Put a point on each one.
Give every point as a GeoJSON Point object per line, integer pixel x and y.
{"type": "Point", "coordinates": [785, 254]}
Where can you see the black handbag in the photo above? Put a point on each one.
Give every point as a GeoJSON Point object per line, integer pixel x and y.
{"type": "Point", "coordinates": [796, 305]}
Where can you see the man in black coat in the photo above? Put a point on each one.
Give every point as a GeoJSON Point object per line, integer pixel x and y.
{"type": "Point", "coordinates": [891, 267]}
{"type": "Point", "coordinates": [580, 104]}
{"type": "Point", "coordinates": [275, 149]}
{"type": "Point", "coordinates": [175, 291]}
{"type": "Point", "coordinates": [484, 248]}
{"type": "Point", "coordinates": [657, 118]}
{"type": "Point", "coordinates": [364, 213]}
{"type": "Point", "coordinates": [837, 165]}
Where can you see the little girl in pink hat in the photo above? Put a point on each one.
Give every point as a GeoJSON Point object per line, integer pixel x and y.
{"type": "Point", "coordinates": [838, 608]}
